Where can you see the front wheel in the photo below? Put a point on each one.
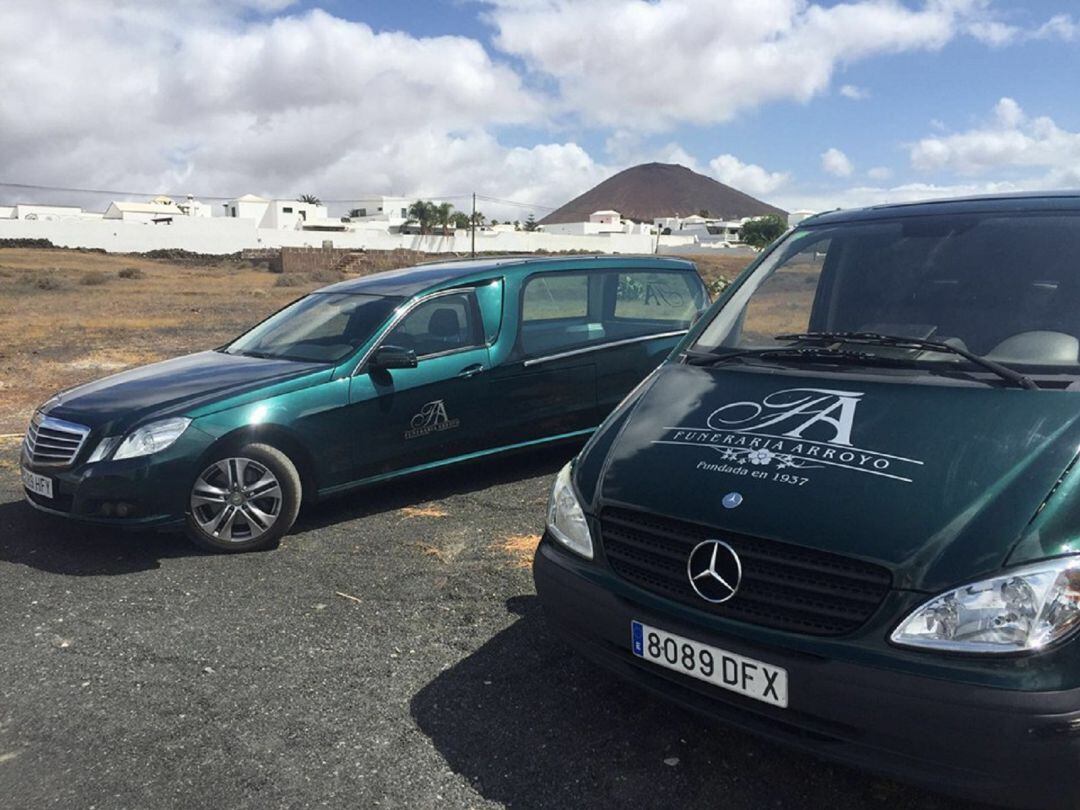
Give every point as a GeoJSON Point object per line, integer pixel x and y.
{"type": "Point", "coordinates": [244, 501]}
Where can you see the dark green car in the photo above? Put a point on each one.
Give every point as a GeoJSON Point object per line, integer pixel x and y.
{"type": "Point", "coordinates": [845, 513]}
{"type": "Point", "coordinates": [359, 382]}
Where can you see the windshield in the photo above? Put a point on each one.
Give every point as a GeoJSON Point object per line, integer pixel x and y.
{"type": "Point", "coordinates": [1004, 287]}
{"type": "Point", "coordinates": [321, 328]}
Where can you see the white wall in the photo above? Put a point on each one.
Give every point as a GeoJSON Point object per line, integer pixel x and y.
{"type": "Point", "coordinates": [230, 235]}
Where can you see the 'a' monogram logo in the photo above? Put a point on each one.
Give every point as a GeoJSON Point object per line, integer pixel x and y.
{"type": "Point", "coordinates": [794, 413]}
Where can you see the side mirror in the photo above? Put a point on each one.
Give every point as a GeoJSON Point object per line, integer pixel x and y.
{"type": "Point", "coordinates": [387, 357]}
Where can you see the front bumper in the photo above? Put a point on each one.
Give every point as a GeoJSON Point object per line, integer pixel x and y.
{"type": "Point", "coordinates": [149, 491]}
{"type": "Point", "coordinates": [996, 745]}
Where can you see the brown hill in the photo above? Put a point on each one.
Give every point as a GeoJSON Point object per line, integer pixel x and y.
{"type": "Point", "coordinates": [651, 190]}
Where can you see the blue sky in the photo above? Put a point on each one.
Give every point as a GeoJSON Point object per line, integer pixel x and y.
{"type": "Point", "coordinates": [806, 104]}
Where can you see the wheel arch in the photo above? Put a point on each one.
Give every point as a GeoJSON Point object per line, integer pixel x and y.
{"type": "Point", "coordinates": [280, 438]}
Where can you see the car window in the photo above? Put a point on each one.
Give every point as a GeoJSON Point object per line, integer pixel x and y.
{"type": "Point", "coordinates": [783, 302]}
{"type": "Point", "coordinates": [555, 297]}
{"type": "Point", "coordinates": [1004, 286]}
{"type": "Point", "coordinates": [322, 327]}
{"type": "Point", "coordinates": [443, 324]}
{"type": "Point", "coordinates": [555, 314]}
{"type": "Point", "coordinates": [657, 299]}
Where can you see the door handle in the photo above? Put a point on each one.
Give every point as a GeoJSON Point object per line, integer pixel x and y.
{"type": "Point", "coordinates": [471, 371]}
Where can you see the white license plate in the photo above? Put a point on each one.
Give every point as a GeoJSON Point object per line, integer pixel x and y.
{"type": "Point", "coordinates": [38, 484]}
{"type": "Point", "coordinates": [736, 673]}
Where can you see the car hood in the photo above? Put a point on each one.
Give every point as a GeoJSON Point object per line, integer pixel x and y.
{"type": "Point", "coordinates": [170, 388]}
{"type": "Point", "coordinates": [935, 481]}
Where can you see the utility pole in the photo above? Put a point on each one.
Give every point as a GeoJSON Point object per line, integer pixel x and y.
{"type": "Point", "coordinates": [472, 222]}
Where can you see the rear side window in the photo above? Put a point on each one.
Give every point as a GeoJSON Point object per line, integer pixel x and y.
{"type": "Point", "coordinates": [555, 313]}
{"type": "Point", "coordinates": [555, 297]}
{"type": "Point", "coordinates": [668, 299]}
{"type": "Point", "coordinates": [443, 324]}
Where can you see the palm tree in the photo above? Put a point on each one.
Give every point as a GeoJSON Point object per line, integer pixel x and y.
{"type": "Point", "coordinates": [444, 212]}
{"type": "Point", "coordinates": [422, 213]}
{"type": "Point", "coordinates": [478, 219]}
{"type": "Point", "coordinates": [310, 199]}
{"type": "Point", "coordinates": [460, 220]}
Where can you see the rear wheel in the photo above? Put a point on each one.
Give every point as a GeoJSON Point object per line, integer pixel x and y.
{"type": "Point", "coordinates": [244, 501]}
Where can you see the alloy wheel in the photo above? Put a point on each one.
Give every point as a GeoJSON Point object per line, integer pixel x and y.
{"type": "Point", "coordinates": [236, 500]}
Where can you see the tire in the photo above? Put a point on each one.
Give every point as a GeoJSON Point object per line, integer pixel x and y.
{"type": "Point", "coordinates": [246, 500]}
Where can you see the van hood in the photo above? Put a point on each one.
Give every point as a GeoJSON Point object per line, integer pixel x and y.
{"type": "Point", "coordinates": [937, 482]}
{"type": "Point", "coordinates": [170, 388]}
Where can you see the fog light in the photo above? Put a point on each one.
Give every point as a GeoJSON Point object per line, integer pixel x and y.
{"type": "Point", "coordinates": [107, 509]}
{"type": "Point", "coordinates": [124, 509]}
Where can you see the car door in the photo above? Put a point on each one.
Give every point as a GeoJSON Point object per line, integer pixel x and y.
{"type": "Point", "coordinates": [543, 386]}
{"type": "Point", "coordinates": [409, 417]}
{"type": "Point", "coordinates": [644, 315]}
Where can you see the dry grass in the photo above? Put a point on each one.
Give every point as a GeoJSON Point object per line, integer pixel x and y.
{"type": "Point", "coordinates": [69, 333]}
{"type": "Point", "coordinates": [56, 332]}
{"type": "Point", "coordinates": [520, 547]}
{"type": "Point", "coordinates": [423, 512]}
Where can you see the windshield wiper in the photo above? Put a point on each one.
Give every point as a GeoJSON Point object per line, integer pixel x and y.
{"type": "Point", "coordinates": [812, 354]}
{"type": "Point", "coordinates": [899, 342]}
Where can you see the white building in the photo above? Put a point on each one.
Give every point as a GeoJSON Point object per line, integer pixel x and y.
{"type": "Point", "coordinates": [600, 222]}
{"type": "Point", "coordinates": [278, 215]}
{"type": "Point", "coordinates": [384, 208]}
{"type": "Point", "coordinates": [47, 213]}
{"type": "Point", "coordinates": [705, 229]}
{"type": "Point", "coordinates": [795, 217]}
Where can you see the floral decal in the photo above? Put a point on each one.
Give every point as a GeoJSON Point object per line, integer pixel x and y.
{"type": "Point", "coordinates": [764, 458]}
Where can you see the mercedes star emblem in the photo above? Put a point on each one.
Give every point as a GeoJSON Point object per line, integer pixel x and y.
{"type": "Point", "coordinates": [715, 571]}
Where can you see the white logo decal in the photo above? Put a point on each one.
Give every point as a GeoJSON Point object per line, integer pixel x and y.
{"type": "Point", "coordinates": [432, 418]}
{"type": "Point", "coordinates": [793, 429]}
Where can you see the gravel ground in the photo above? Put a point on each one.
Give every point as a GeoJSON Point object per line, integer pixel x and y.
{"type": "Point", "coordinates": [391, 654]}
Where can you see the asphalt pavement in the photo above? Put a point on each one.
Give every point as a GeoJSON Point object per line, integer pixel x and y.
{"type": "Point", "coordinates": [391, 653]}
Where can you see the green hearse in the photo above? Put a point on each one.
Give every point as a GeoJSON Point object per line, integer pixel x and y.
{"type": "Point", "coordinates": [359, 382]}
{"type": "Point", "coordinates": [845, 513]}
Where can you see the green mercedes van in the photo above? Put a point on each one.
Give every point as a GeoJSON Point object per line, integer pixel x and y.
{"type": "Point", "coordinates": [359, 382]}
{"type": "Point", "coordinates": [845, 513]}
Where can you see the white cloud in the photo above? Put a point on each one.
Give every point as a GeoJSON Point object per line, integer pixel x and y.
{"type": "Point", "coordinates": [879, 173]}
{"type": "Point", "coordinates": [1060, 26]}
{"type": "Point", "coordinates": [219, 98]}
{"type": "Point", "coordinates": [747, 177]}
{"type": "Point", "coordinates": [854, 92]}
{"type": "Point", "coordinates": [836, 163]}
{"type": "Point", "coordinates": [1010, 140]}
{"type": "Point", "coordinates": [615, 62]}
{"type": "Point", "coordinates": [859, 196]}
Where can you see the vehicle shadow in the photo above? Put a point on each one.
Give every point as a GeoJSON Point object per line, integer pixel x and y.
{"type": "Point", "coordinates": [435, 485]}
{"type": "Point", "coordinates": [530, 724]}
{"type": "Point", "coordinates": [59, 546]}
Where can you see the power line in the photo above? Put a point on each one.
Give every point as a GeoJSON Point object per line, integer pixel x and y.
{"type": "Point", "coordinates": [121, 193]}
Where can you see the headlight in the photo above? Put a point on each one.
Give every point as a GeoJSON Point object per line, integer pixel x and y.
{"type": "Point", "coordinates": [1020, 611]}
{"type": "Point", "coordinates": [152, 438]}
{"type": "Point", "coordinates": [566, 520]}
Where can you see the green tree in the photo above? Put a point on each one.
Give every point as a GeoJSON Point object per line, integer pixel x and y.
{"type": "Point", "coordinates": [531, 224]}
{"type": "Point", "coordinates": [478, 219]}
{"type": "Point", "coordinates": [310, 199]}
{"type": "Point", "coordinates": [444, 215]}
{"type": "Point", "coordinates": [761, 231]}
{"type": "Point", "coordinates": [421, 213]}
{"type": "Point", "coordinates": [704, 212]}
{"type": "Point", "coordinates": [460, 220]}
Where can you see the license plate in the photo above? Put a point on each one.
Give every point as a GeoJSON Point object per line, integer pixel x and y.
{"type": "Point", "coordinates": [736, 673]}
{"type": "Point", "coordinates": [38, 484]}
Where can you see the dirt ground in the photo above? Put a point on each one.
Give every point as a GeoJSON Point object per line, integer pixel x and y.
{"type": "Point", "coordinates": [70, 316]}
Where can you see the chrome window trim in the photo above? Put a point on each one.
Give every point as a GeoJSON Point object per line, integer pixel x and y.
{"type": "Point", "coordinates": [404, 314]}
{"type": "Point", "coordinates": [535, 361]}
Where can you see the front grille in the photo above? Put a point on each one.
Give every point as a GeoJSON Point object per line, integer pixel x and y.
{"type": "Point", "coordinates": [783, 586]}
{"type": "Point", "coordinates": [54, 442]}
